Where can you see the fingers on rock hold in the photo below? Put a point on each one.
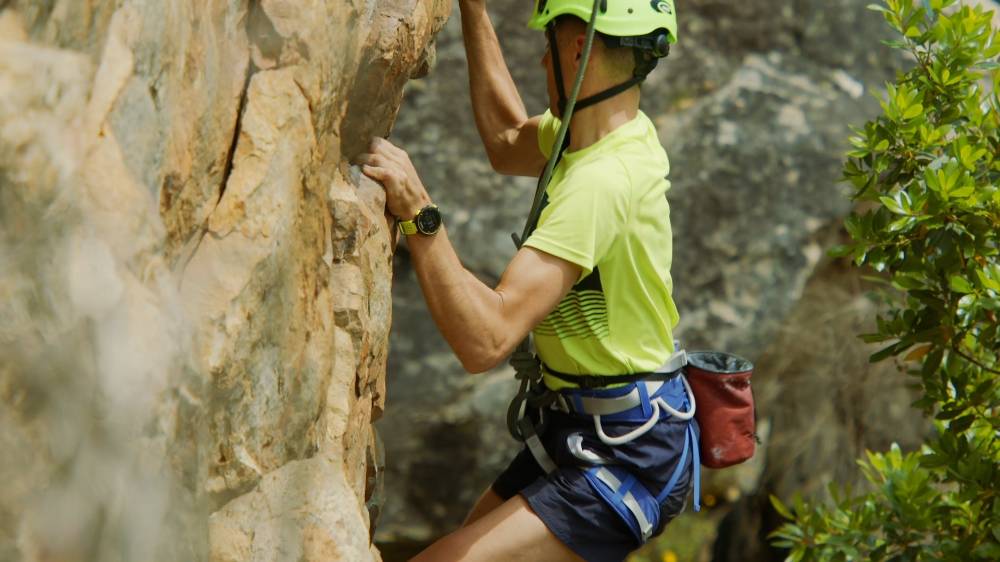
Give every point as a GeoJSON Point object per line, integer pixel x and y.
{"type": "Point", "coordinates": [373, 172]}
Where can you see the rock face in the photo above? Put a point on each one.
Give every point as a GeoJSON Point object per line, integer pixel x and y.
{"type": "Point", "coordinates": [753, 107]}
{"type": "Point", "coordinates": [194, 284]}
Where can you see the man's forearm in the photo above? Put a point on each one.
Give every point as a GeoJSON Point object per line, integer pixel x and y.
{"type": "Point", "coordinates": [497, 106]}
{"type": "Point", "coordinates": [467, 311]}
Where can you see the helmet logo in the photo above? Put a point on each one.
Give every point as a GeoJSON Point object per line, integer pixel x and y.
{"type": "Point", "coordinates": [662, 6]}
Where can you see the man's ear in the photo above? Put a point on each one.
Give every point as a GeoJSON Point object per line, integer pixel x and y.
{"type": "Point", "coordinates": [577, 51]}
{"type": "Point", "coordinates": [578, 44]}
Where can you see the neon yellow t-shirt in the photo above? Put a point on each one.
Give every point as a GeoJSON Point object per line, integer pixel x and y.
{"type": "Point", "coordinates": [607, 212]}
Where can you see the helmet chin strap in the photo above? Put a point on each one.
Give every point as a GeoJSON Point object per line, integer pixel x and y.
{"type": "Point", "coordinates": [644, 64]}
{"type": "Point", "coordinates": [550, 32]}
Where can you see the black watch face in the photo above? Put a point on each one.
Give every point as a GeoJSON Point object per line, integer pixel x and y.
{"type": "Point", "coordinates": [429, 220]}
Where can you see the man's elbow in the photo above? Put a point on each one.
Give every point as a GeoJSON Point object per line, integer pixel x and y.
{"type": "Point", "coordinates": [502, 153]}
{"type": "Point", "coordinates": [476, 366]}
{"type": "Point", "coordinates": [480, 362]}
{"type": "Point", "coordinates": [499, 160]}
{"type": "Point", "coordinates": [484, 357]}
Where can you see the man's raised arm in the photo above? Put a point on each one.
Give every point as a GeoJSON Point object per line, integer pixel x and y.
{"type": "Point", "coordinates": [509, 135]}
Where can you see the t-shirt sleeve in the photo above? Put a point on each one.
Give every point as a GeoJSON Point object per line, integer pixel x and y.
{"type": "Point", "coordinates": [548, 128]}
{"type": "Point", "coordinates": [584, 219]}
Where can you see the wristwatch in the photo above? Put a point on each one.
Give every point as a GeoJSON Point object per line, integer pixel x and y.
{"type": "Point", "coordinates": [427, 222]}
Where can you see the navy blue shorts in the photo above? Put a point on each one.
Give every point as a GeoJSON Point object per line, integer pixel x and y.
{"type": "Point", "coordinates": [571, 508]}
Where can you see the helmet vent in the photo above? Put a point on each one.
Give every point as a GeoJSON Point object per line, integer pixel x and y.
{"type": "Point", "coordinates": [662, 6]}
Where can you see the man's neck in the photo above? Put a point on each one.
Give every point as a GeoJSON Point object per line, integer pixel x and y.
{"type": "Point", "coordinates": [597, 121]}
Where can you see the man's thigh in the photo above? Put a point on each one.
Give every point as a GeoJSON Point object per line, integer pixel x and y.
{"type": "Point", "coordinates": [486, 503]}
{"type": "Point", "coordinates": [510, 532]}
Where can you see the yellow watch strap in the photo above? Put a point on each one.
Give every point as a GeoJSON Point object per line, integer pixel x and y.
{"type": "Point", "coordinates": [407, 227]}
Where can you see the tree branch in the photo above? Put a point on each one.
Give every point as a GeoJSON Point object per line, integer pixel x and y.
{"type": "Point", "coordinates": [973, 360]}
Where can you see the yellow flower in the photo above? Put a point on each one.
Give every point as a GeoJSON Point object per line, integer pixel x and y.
{"type": "Point", "coordinates": [669, 556]}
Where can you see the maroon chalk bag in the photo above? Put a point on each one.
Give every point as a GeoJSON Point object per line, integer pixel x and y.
{"type": "Point", "coordinates": [724, 406]}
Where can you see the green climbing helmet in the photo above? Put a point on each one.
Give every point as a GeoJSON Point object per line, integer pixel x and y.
{"type": "Point", "coordinates": [616, 18]}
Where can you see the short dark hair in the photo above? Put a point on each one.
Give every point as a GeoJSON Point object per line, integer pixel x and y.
{"type": "Point", "coordinates": [620, 61]}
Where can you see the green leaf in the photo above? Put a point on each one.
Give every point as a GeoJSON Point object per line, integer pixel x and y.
{"type": "Point", "coordinates": [986, 281]}
{"type": "Point", "coordinates": [913, 111]}
{"type": "Point", "coordinates": [962, 192]}
{"type": "Point", "coordinates": [959, 284]}
{"type": "Point", "coordinates": [961, 424]}
{"type": "Point", "coordinates": [781, 508]}
{"type": "Point", "coordinates": [902, 223]}
{"type": "Point", "coordinates": [855, 227]}
{"type": "Point", "coordinates": [907, 281]}
{"type": "Point", "coordinates": [949, 412]}
{"type": "Point", "coordinates": [892, 205]}
{"type": "Point", "coordinates": [884, 353]}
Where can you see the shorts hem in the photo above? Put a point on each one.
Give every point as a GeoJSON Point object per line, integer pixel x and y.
{"type": "Point", "coordinates": [557, 532]}
{"type": "Point", "coordinates": [501, 493]}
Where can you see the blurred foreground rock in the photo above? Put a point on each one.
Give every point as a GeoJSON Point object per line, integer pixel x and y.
{"type": "Point", "coordinates": [194, 285]}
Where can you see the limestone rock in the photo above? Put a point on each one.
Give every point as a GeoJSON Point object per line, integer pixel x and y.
{"type": "Point", "coordinates": [194, 284]}
{"type": "Point", "coordinates": [297, 512]}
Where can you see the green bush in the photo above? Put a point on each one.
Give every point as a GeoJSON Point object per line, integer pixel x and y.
{"type": "Point", "coordinates": [926, 174]}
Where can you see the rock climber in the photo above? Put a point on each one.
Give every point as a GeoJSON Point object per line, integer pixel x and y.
{"type": "Point", "coordinates": [592, 284]}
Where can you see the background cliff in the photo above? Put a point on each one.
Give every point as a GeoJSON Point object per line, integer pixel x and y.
{"type": "Point", "coordinates": [194, 285]}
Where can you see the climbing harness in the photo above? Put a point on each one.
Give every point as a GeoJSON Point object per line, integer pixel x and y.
{"type": "Point", "coordinates": [714, 389]}
{"type": "Point", "coordinates": [633, 501]}
{"type": "Point", "coordinates": [642, 404]}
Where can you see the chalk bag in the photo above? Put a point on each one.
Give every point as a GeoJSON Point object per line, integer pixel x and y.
{"type": "Point", "coordinates": [721, 386]}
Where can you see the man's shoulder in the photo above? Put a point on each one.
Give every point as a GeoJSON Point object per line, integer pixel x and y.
{"type": "Point", "coordinates": [606, 169]}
